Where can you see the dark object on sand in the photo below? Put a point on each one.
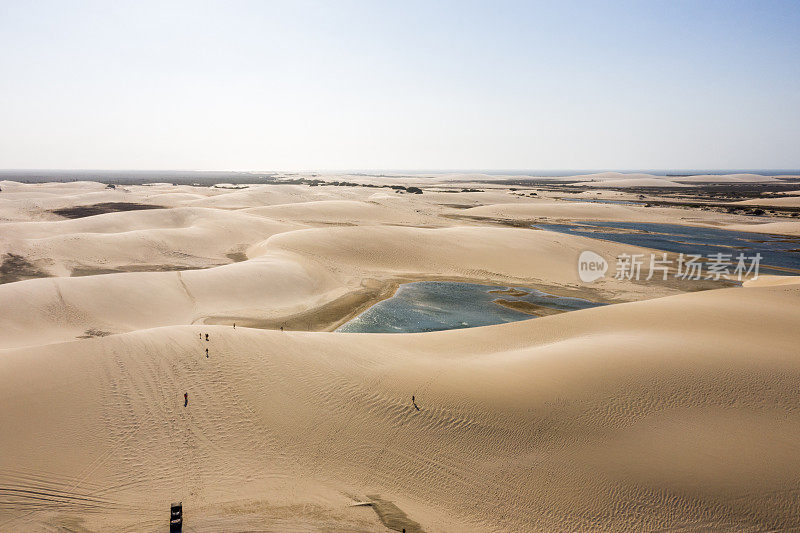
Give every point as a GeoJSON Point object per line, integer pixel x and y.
{"type": "Point", "coordinates": [176, 517]}
{"type": "Point", "coordinates": [414, 401]}
{"type": "Point", "coordinates": [206, 353]}
{"type": "Point", "coordinates": [206, 336]}
{"type": "Point", "coordinates": [81, 211]}
{"type": "Point", "coordinates": [185, 399]}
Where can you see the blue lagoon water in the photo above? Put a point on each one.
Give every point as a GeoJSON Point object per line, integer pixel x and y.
{"type": "Point", "coordinates": [439, 305]}
{"type": "Point", "coordinates": [778, 251]}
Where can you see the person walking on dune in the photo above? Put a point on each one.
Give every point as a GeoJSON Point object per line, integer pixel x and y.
{"type": "Point", "coordinates": [206, 353]}
{"type": "Point", "coordinates": [206, 336]}
{"type": "Point", "coordinates": [185, 399]}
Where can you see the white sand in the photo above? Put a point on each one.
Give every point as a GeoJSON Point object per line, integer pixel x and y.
{"type": "Point", "coordinates": [632, 182]}
{"type": "Point", "coordinates": [675, 411]}
{"type": "Point", "coordinates": [789, 201]}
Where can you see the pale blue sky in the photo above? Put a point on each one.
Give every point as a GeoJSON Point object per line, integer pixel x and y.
{"type": "Point", "coordinates": [400, 85]}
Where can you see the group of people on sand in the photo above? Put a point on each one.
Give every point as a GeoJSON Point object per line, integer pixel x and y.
{"type": "Point", "coordinates": [201, 338]}
{"type": "Point", "coordinates": [186, 394]}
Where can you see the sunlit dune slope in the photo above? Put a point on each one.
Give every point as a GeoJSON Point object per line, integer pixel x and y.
{"type": "Point", "coordinates": [600, 419]}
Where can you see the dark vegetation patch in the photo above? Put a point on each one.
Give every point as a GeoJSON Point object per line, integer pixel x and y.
{"type": "Point", "coordinates": [706, 196]}
{"type": "Point", "coordinates": [510, 292]}
{"type": "Point", "coordinates": [203, 178]}
{"type": "Point", "coordinates": [729, 190]}
{"type": "Point", "coordinates": [392, 516]}
{"type": "Point", "coordinates": [527, 224]}
{"type": "Point", "coordinates": [237, 257]}
{"type": "Point", "coordinates": [527, 307]}
{"type": "Point", "coordinates": [316, 182]}
{"type": "Point", "coordinates": [16, 268]}
{"type": "Point", "coordinates": [99, 209]}
{"type": "Point", "coordinates": [461, 206]}
{"type": "Point", "coordinates": [89, 271]}
{"type": "Point", "coordinates": [93, 271]}
{"type": "Point", "coordinates": [92, 332]}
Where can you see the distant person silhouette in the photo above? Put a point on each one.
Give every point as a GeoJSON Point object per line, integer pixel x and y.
{"type": "Point", "coordinates": [414, 401]}
{"type": "Point", "coordinates": [185, 399]}
{"type": "Point", "coordinates": [234, 325]}
{"type": "Point", "coordinates": [206, 353]}
{"type": "Point", "coordinates": [206, 336]}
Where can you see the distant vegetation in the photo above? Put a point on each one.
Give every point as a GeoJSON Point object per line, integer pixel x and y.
{"type": "Point", "coordinates": [315, 182]}
{"type": "Point", "coordinates": [98, 209]}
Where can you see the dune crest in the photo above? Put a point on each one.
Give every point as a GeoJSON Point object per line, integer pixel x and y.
{"type": "Point", "coordinates": [672, 408]}
{"type": "Point", "coordinates": [604, 403]}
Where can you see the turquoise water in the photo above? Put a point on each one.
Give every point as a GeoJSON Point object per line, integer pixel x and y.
{"type": "Point", "coordinates": [439, 305]}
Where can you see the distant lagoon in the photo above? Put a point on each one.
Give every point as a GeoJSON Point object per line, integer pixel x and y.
{"type": "Point", "coordinates": [776, 250]}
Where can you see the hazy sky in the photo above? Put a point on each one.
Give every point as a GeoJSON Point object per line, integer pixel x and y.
{"type": "Point", "coordinates": [399, 85]}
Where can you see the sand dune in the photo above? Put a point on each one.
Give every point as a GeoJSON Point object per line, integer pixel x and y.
{"type": "Point", "coordinates": [668, 410]}
{"type": "Point", "coordinates": [348, 212]}
{"type": "Point", "coordinates": [772, 281]}
{"type": "Point", "coordinates": [633, 182]}
{"type": "Point", "coordinates": [459, 251]}
{"type": "Point", "coordinates": [51, 187]}
{"type": "Point", "coordinates": [558, 210]}
{"type": "Point", "coordinates": [598, 419]}
{"type": "Point", "coordinates": [298, 271]}
{"type": "Point", "coordinates": [72, 307]}
{"type": "Point", "coordinates": [261, 195]}
{"type": "Point", "coordinates": [728, 178]}
{"type": "Point", "coordinates": [138, 240]}
{"type": "Point", "coordinates": [789, 201]}
{"type": "Point", "coordinates": [780, 228]}
{"type": "Point", "coordinates": [542, 210]}
{"type": "Point", "coordinates": [651, 180]}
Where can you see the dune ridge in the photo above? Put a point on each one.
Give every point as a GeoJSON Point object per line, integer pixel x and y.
{"type": "Point", "coordinates": [674, 408]}
{"type": "Point", "coordinates": [604, 404]}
